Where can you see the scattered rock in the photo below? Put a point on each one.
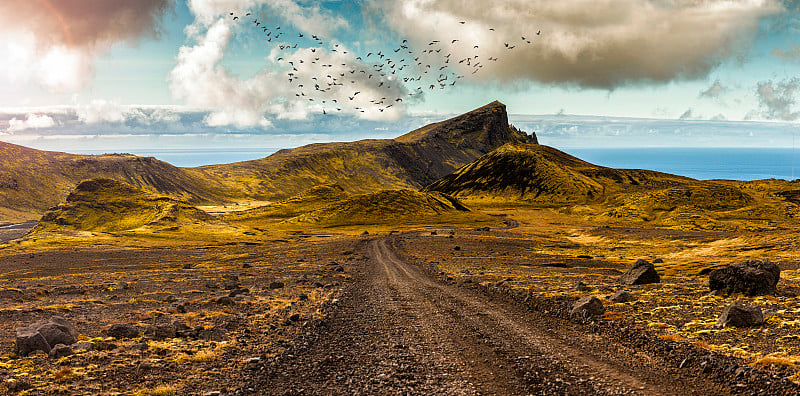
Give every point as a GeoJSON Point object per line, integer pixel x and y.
{"type": "Point", "coordinates": [365, 233]}
{"type": "Point", "coordinates": [58, 330]}
{"type": "Point", "coordinates": [187, 266]}
{"type": "Point", "coordinates": [238, 291]}
{"type": "Point", "coordinates": [339, 269]}
{"type": "Point", "coordinates": [161, 331]}
{"type": "Point", "coordinates": [456, 247]}
{"type": "Point", "coordinates": [213, 334]}
{"type": "Point", "coordinates": [83, 346]}
{"type": "Point", "coordinates": [224, 300]}
{"type": "Point", "coordinates": [294, 317]}
{"type": "Point", "coordinates": [584, 257]}
{"type": "Point", "coordinates": [276, 285]}
{"type": "Point", "coordinates": [751, 277]}
{"type": "Point", "coordinates": [582, 287]}
{"type": "Point", "coordinates": [738, 315]}
{"type": "Point", "coordinates": [588, 306]}
{"type": "Point", "coordinates": [658, 261]}
{"type": "Point", "coordinates": [61, 350]}
{"type": "Point", "coordinates": [141, 346]}
{"type": "Point", "coordinates": [29, 340]}
{"type": "Point", "coordinates": [123, 330]}
{"type": "Point", "coordinates": [621, 296]}
{"type": "Point", "coordinates": [184, 331]}
{"type": "Point", "coordinates": [104, 346]}
{"type": "Point", "coordinates": [245, 265]}
{"type": "Point", "coordinates": [303, 297]}
{"type": "Point", "coordinates": [123, 285]}
{"type": "Point", "coordinates": [434, 233]}
{"type": "Point", "coordinates": [642, 273]}
{"type": "Point", "coordinates": [482, 229]}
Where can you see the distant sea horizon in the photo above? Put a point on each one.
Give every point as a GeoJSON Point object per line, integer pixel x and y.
{"type": "Point", "coordinates": [697, 163]}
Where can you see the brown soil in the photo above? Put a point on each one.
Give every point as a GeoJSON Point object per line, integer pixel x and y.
{"type": "Point", "coordinates": [401, 330]}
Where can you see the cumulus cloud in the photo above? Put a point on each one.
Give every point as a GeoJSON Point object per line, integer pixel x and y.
{"type": "Point", "coordinates": [790, 54]}
{"type": "Point", "coordinates": [600, 44]}
{"type": "Point", "coordinates": [321, 79]}
{"type": "Point", "coordinates": [714, 91]}
{"type": "Point", "coordinates": [32, 121]}
{"type": "Point", "coordinates": [777, 100]}
{"type": "Point", "coordinates": [54, 43]}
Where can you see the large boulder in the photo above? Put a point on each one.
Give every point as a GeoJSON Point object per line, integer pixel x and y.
{"type": "Point", "coordinates": [588, 306]}
{"type": "Point", "coordinates": [738, 315]}
{"type": "Point", "coordinates": [751, 277]}
{"type": "Point", "coordinates": [42, 336]}
{"type": "Point", "coordinates": [58, 330]}
{"type": "Point", "coordinates": [642, 273]}
{"type": "Point", "coordinates": [28, 340]}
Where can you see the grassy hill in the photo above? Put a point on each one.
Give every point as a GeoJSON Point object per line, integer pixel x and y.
{"type": "Point", "coordinates": [31, 181]}
{"type": "Point", "coordinates": [542, 174]}
{"type": "Point", "coordinates": [536, 175]}
{"type": "Point", "coordinates": [409, 161]}
{"type": "Point", "coordinates": [307, 201]}
{"type": "Point", "coordinates": [105, 205]}
{"type": "Point", "coordinates": [392, 207]}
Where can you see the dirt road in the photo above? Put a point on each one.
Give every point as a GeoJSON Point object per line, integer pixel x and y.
{"type": "Point", "coordinates": [401, 330]}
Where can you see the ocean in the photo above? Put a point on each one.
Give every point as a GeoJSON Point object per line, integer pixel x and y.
{"type": "Point", "coordinates": [701, 163]}
{"type": "Point", "coordinates": [698, 163]}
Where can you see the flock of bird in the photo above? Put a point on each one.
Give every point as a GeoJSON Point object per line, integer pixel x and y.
{"type": "Point", "coordinates": [430, 68]}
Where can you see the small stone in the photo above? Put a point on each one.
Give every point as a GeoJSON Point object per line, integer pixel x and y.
{"type": "Point", "coordinates": [187, 266]}
{"type": "Point", "coordinates": [83, 346]}
{"type": "Point", "coordinates": [582, 287]}
{"type": "Point", "coordinates": [60, 350]}
{"type": "Point", "coordinates": [276, 285]}
{"type": "Point", "coordinates": [658, 261]}
{"type": "Point", "coordinates": [456, 247]}
{"type": "Point", "coordinates": [104, 346]}
{"type": "Point", "coordinates": [294, 317]}
{"type": "Point", "coordinates": [365, 233]}
{"type": "Point", "coordinates": [161, 331]}
{"type": "Point", "coordinates": [213, 334]}
{"type": "Point", "coordinates": [339, 269]}
{"type": "Point", "coordinates": [144, 366]}
{"type": "Point", "coordinates": [621, 296]}
{"type": "Point", "coordinates": [238, 291]}
{"type": "Point", "coordinates": [641, 273]}
{"type": "Point", "coordinates": [140, 346]}
{"type": "Point", "coordinates": [588, 305]}
{"type": "Point", "coordinates": [122, 286]}
{"type": "Point", "coordinates": [245, 265]}
{"type": "Point", "coordinates": [303, 297]}
{"type": "Point", "coordinates": [122, 330]}
{"type": "Point", "coordinates": [224, 300]}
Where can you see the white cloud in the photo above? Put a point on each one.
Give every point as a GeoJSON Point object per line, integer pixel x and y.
{"type": "Point", "coordinates": [32, 121]}
{"type": "Point", "coordinates": [100, 110]}
{"type": "Point", "coordinates": [714, 91]}
{"type": "Point", "coordinates": [54, 44]}
{"type": "Point", "coordinates": [322, 80]}
{"type": "Point", "coordinates": [777, 100]}
{"type": "Point", "coordinates": [602, 43]}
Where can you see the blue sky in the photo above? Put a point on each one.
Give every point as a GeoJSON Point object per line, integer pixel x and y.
{"type": "Point", "coordinates": [184, 74]}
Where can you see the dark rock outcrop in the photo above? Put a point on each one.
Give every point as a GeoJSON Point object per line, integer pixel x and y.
{"type": "Point", "coordinates": [621, 296]}
{"type": "Point", "coordinates": [751, 278]}
{"type": "Point", "coordinates": [642, 273]}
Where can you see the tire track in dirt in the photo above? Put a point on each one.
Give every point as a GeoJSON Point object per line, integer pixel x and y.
{"type": "Point", "coordinates": [399, 330]}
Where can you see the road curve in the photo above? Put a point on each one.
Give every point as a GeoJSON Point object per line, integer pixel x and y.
{"type": "Point", "coordinates": [400, 330]}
